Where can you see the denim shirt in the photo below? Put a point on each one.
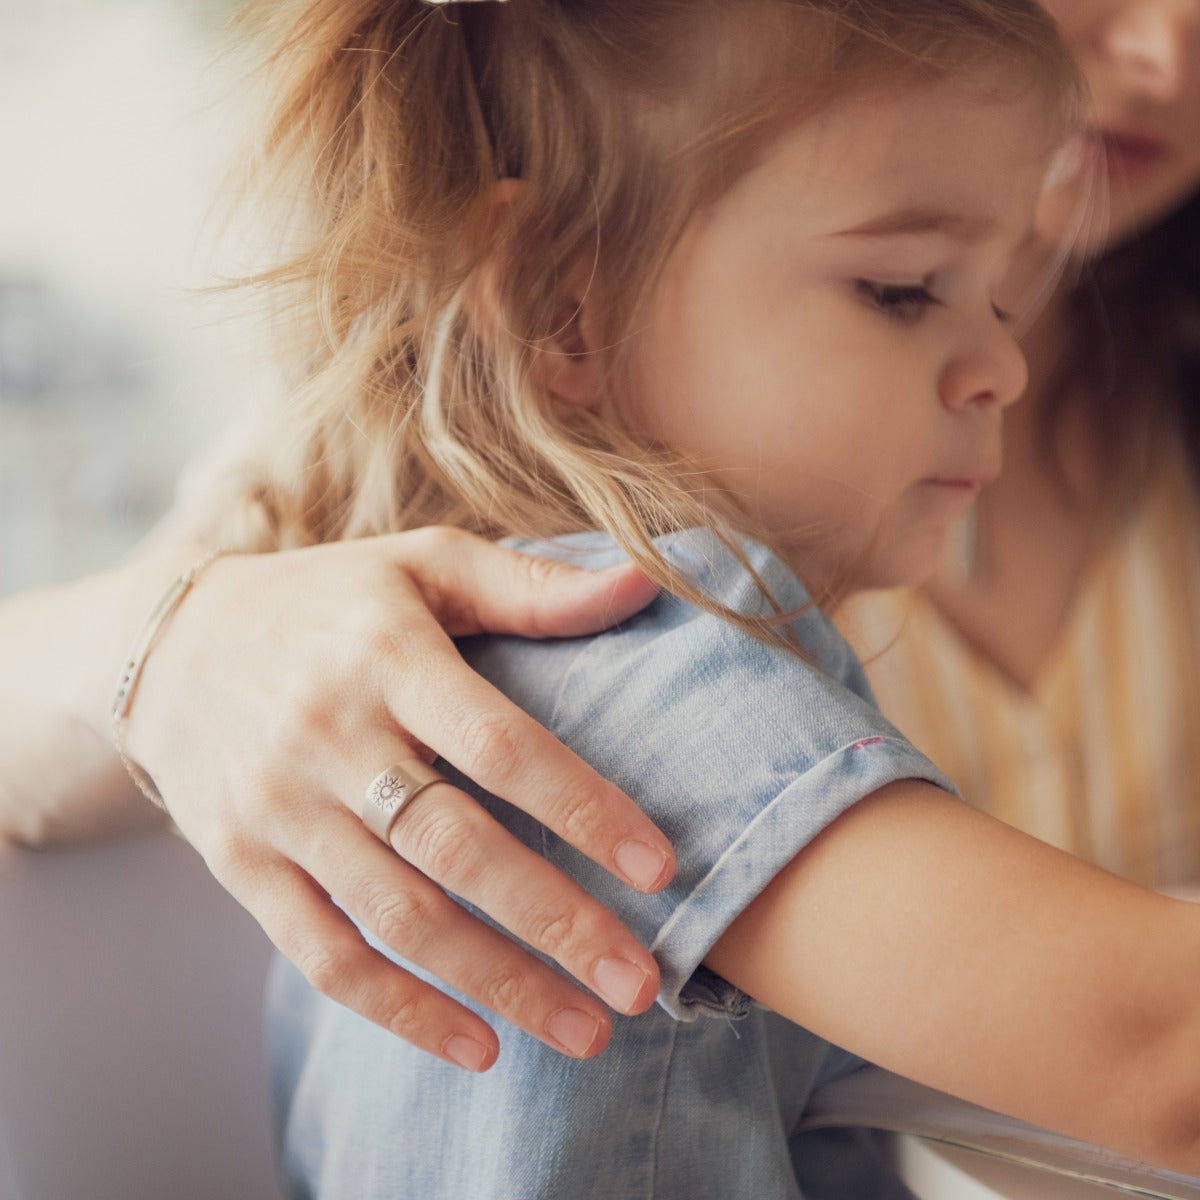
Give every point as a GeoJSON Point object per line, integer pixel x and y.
{"type": "Point", "coordinates": [742, 753]}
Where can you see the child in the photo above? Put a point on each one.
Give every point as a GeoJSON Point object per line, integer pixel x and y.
{"type": "Point", "coordinates": [720, 287]}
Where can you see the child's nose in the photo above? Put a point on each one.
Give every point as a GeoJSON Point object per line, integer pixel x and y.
{"type": "Point", "coordinates": [1154, 43]}
{"type": "Point", "coordinates": [992, 371]}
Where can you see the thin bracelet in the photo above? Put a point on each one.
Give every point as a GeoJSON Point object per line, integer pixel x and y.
{"type": "Point", "coordinates": [134, 664]}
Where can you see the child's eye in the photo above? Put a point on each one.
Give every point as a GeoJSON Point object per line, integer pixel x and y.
{"type": "Point", "coordinates": [901, 302]}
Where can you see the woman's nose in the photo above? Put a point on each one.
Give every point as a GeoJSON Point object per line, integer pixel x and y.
{"type": "Point", "coordinates": [1154, 42]}
{"type": "Point", "coordinates": [990, 372]}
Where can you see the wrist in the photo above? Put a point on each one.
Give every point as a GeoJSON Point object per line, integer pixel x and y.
{"type": "Point", "coordinates": [63, 646]}
{"type": "Point", "coordinates": [119, 602]}
{"type": "Point", "coordinates": [135, 661]}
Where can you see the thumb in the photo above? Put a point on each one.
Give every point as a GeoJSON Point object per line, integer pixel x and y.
{"type": "Point", "coordinates": [474, 586]}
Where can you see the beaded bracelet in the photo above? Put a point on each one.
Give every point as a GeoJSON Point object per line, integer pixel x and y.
{"type": "Point", "coordinates": [127, 687]}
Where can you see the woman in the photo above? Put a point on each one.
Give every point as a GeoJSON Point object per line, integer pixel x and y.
{"type": "Point", "coordinates": [263, 767]}
{"type": "Point", "coordinates": [1069, 644]}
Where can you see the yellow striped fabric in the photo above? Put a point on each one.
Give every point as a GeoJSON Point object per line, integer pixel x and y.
{"type": "Point", "coordinates": [1102, 756]}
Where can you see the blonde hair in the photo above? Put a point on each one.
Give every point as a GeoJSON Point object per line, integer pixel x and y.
{"type": "Point", "coordinates": [394, 120]}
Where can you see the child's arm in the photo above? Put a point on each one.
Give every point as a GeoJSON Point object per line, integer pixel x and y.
{"type": "Point", "coordinates": [949, 947]}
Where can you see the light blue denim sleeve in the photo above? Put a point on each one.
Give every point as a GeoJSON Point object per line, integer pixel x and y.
{"type": "Point", "coordinates": [741, 752]}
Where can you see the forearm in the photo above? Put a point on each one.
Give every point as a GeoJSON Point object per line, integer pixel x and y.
{"type": "Point", "coordinates": [62, 647]}
{"type": "Point", "coordinates": [952, 949]}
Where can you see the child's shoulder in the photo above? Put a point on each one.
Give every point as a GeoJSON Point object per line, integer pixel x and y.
{"type": "Point", "coordinates": [741, 751]}
{"type": "Point", "coordinates": [671, 625]}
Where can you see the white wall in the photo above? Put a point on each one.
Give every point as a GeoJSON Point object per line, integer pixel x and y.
{"type": "Point", "coordinates": [130, 985]}
{"type": "Point", "coordinates": [118, 119]}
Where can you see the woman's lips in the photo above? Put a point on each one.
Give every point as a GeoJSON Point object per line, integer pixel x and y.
{"type": "Point", "coordinates": [1109, 150]}
{"type": "Point", "coordinates": [1127, 154]}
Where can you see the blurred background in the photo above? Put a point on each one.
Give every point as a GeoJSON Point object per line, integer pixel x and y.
{"type": "Point", "coordinates": [118, 122]}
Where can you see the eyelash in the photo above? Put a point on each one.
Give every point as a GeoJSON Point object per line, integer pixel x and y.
{"type": "Point", "coordinates": [905, 303]}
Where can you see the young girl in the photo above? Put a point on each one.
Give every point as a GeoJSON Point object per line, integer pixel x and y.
{"type": "Point", "coordinates": [722, 288]}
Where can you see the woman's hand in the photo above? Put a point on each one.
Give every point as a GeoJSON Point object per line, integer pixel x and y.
{"type": "Point", "coordinates": [286, 682]}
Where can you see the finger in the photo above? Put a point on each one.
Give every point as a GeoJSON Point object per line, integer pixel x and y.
{"type": "Point", "coordinates": [418, 921]}
{"type": "Point", "coordinates": [493, 742]}
{"type": "Point", "coordinates": [474, 586]}
{"type": "Point", "coordinates": [311, 931]}
{"type": "Point", "coordinates": [447, 836]}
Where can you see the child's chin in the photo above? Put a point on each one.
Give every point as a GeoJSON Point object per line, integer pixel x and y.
{"type": "Point", "coordinates": [872, 570]}
{"type": "Point", "coordinates": [882, 581]}
{"type": "Point", "coordinates": [906, 571]}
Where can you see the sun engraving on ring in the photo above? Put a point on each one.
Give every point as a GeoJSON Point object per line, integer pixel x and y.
{"type": "Point", "coordinates": [388, 791]}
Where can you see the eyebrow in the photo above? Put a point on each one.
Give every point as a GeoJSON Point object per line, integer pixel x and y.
{"type": "Point", "coordinates": [912, 221]}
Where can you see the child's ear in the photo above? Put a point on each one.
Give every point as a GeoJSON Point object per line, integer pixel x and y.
{"type": "Point", "coordinates": [567, 364]}
{"type": "Point", "coordinates": [571, 364]}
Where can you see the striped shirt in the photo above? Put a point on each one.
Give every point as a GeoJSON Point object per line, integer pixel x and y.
{"type": "Point", "coordinates": [1102, 756]}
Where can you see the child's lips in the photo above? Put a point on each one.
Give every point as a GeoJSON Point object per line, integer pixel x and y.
{"type": "Point", "coordinates": [972, 481]}
{"type": "Point", "coordinates": [965, 486]}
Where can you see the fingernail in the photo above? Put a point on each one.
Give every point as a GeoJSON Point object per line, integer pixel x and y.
{"type": "Point", "coordinates": [573, 1030]}
{"type": "Point", "coordinates": [467, 1052]}
{"type": "Point", "coordinates": [620, 982]}
{"type": "Point", "coordinates": [641, 864]}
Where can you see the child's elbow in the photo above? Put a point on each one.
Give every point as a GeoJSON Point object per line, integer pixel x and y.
{"type": "Point", "coordinates": [1169, 1116]}
{"type": "Point", "coordinates": [1174, 1141]}
{"type": "Point", "coordinates": [1175, 1135]}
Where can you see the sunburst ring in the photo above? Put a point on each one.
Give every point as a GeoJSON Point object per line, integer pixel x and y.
{"type": "Point", "coordinates": [391, 791]}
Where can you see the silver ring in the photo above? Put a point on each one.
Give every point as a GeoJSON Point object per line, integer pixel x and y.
{"type": "Point", "coordinates": [390, 793]}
